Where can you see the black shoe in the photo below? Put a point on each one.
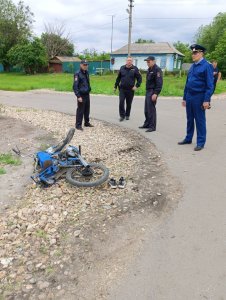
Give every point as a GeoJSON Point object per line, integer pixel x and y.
{"type": "Point", "coordinates": [184, 142]}
{"type": "Point", "coordinates": [198, 148]}
{"type": "Point", "coordinates": [121, 183]}
{"type": "Point", "coordinates": [88, 125]}
{"type": "Point", "coordinates": [113, 184]}
{"type": "Point", "coordinates": [127, 118]}
{"type": "Point", "coordinates": [149, 130]}
{"type": "Point", "coordinates": [142, 127]}
{"type": "Point", "coordinates": [79, 128]}
{"type": "Point", "coordinates": [121, 119]}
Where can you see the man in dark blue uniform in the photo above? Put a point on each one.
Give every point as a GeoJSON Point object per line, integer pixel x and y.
{"type": "Point", "coordinates": [82, 89]}
{"type": "Point", "coordinates": [125, 81]}
{"type": "Point", "coordinates": [216, 74]}
{"type": "Point", "coordinates": [154, 84]}
{"type": "Point", "coordinates": [197, 94]}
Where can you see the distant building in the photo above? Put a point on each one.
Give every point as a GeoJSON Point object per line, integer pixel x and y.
{"type": "Point", "coordinates": [166, 55]}
{"type": "Point", "coordinates": [59, 64]}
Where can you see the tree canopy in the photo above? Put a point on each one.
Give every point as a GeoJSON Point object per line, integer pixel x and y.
{"type": "Point", "coordinates": [209, 35]}
{"type": "Point", "coordinates": [56, 41]}
{"type": "Point", "coordinates": [184, 49]}
{"type": "Point", "coordinates": [213, 37]}
{"type": "Point", "coordinates": [143, 41]}
{"type": "Point", "coordinates": [93, 54]}
{"type": "Point", "coordinates": [31, 56]}
{"type": "Point", "coordinates": [15, 26]}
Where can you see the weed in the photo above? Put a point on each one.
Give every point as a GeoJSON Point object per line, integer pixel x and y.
{"type": "Point", "coordinates": [2, 171]}
{"type": "Point", "coordinates": [8, 159]}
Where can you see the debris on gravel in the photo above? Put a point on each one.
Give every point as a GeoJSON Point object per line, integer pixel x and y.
{"type": "Point", "coordinates": [64, 242]}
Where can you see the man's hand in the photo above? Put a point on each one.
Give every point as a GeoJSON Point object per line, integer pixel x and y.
{"type": "Point", "coordinates": [115, 90]}
{"type": "Point", "coordinates": [184, 103]}
{"type": "Point", "coordinates": [206, 105]}
{"type": "Point", "coordinates": [134, 88]}
{"type": "Point", "coordinates": [154, 97]}
{"type": "Point", "coordinates": [79, 99]}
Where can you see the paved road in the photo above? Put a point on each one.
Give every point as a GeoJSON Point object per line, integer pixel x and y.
{"type": "Point", "coordinates": [186, 258]}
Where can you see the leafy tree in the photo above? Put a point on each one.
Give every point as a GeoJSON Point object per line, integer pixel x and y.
{"type": "Point", "coordinates": [31, 56]}
{"type": "Point", "coordinates": [143, 41]}
{"type": "Point", "coordinates": [15, 27]}
{"type": "Point", "coordinates": [209, 35]}
{"type": "Point", "coordinates": [219, 53]}
{"type": "Point", "coordinates": [92, 54]}
{"type": "Point", "coordinates": [184, 49]}
{"type": "Point", "coordinates": [55, 42]}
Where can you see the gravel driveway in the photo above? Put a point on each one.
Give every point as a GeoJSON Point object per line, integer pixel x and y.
{"type": "Point", "coordinates": [73, 243]}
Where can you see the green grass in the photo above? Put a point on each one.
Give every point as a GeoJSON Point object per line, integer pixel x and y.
{"type": "Point", "coordinates": [2, 171]}
{"type": "Point", "coordinates": [8, 159]}
{"type": "Point", "coordinates": [173, 85]}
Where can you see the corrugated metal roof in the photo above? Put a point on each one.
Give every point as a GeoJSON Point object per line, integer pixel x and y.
{"type": "Point", "coordinates": [65, 59]}
{"type": "Point", "coordinates": [149, 48]}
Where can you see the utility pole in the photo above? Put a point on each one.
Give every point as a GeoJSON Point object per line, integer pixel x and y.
{"type": "Point", "coordinates": [130, 24]}
{"type": "Point", "coordinates": [112, 27]}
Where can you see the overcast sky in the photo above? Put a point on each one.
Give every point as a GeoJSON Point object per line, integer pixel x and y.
{"type": "Point", "coordinates": [89, 22]}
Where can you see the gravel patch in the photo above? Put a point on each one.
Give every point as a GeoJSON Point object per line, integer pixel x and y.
{"type": "Point", "coordinates": [64, 242]}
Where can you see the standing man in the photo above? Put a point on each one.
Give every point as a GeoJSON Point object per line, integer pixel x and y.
{"type": "Point", "coordinates": [154, 84]}
{"type": "Point", "coordinates": [216, 74]}
{"type": "Point", "coordinates": [125, 81]}
{"type": "Point", "coordinates": [82, 89]}
{"type": "Point", "coordinates": [197, 94]}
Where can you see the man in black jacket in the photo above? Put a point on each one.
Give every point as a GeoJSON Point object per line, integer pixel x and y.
{"type": "Point", "coordinates": [154, 83]}
{"type": "Point", "coordinates": [82, 89]}
{"type": "Point", "coordinates": [125, 81]}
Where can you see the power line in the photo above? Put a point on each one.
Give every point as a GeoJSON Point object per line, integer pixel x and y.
{"type": "Point", "coordinates": [102, 26]}
{"type": "Point", "coordinates": [166, 18]}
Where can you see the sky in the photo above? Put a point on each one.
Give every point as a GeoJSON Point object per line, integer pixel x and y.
{"type": "Point", "coordinates": [89, 22]}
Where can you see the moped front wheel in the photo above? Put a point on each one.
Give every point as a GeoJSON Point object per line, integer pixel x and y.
{"type": "Point", "coordinates": [91, 176]}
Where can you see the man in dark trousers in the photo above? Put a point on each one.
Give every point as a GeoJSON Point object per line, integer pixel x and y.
{"type": "Point", "coordinates": [216, 74]}
{"type": "Point", "coordinates": [82, 89]}
{"type": "Point", "coordinates": [197, 93]}
{"type": "Point", "coordinates": [154, 84]}
{"type": "Point", "coordinates": [125, 81]}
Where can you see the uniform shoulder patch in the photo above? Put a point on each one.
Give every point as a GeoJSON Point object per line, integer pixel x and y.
{"type": "Point", "coordinates": [76, 78]}
{"type": "Point", "coordinates": [158, 74]}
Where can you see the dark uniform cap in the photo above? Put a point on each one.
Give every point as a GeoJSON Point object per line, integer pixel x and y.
{"type": "Point", "coordinates": [150, 58]}
{"type": "Point", "coordinates": [84, 62]}
{"type": "Point", "coordinates": [196, 47]}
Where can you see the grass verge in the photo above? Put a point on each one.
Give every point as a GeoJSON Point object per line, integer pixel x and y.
{"type": "Point", "coordinates": [172, 86]}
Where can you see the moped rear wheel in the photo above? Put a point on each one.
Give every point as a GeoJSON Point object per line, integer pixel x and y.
{"type": "Point", "coordinates": [92, 176]}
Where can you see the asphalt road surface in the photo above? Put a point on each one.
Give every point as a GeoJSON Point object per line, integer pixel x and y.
{"type": "Point", "coordinates": [186, 258]}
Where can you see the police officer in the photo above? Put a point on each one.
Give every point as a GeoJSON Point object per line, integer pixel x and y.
{"type": "Point", "coordinates": [154, 84]}
{"type": "Point", "coordinates": [216, 74]}
{"type": "Point", "coordinates": [125, 81]}
{"type": "Point", "coordinates": [82, 89]}
{"type": "Point", "coordinates": [197, 94]}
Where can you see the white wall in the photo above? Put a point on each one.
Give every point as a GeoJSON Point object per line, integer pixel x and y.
{"type": "Point", "coordinates": [139, 62]}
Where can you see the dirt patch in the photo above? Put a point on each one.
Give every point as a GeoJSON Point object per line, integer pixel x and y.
{"type": "Point", "coordinates": [27, 137]}
{"type": "Point", "coordinates": [71, 243]}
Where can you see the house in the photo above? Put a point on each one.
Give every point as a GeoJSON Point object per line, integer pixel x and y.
{"type": "Point", "coordinates": [59, 64]}
{"type": "Point", "coordinates": [166, 55]}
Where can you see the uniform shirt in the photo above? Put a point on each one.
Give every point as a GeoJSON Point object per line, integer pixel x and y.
{"type": "Point", "coordinates": [127, 76]}
{"type": "Point", "coordinates": [81, 85]}
{"type": "Point", "coordinates": [154, 80]}
{"type": "Point", "coordinates": [215, 76]}
{"type": "Point", "coordinates": [200, 80]}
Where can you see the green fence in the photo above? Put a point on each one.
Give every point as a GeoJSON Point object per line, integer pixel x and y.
{"type": "Point", "coordinates": [95, 67]}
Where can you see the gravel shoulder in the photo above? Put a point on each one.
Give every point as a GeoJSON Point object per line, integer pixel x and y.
{"type": "Point", "coordinates": [73, 243]}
